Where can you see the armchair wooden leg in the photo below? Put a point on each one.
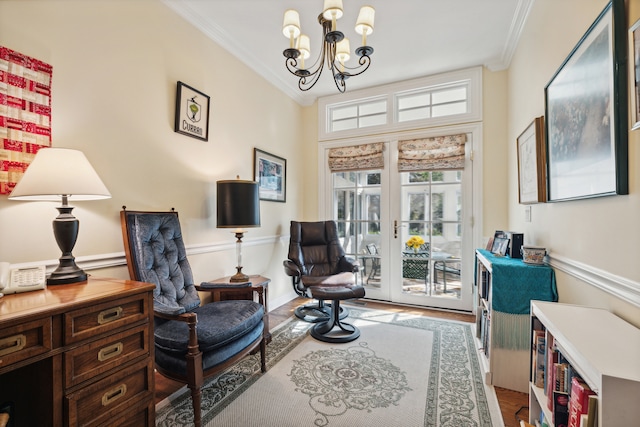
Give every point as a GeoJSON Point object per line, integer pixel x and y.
{"type": "Point", "coordinates": [196, 400]}
{"type": "Point", "coordinates": [263, 355]}
{"type": "Point", "coordinates": [194, 372]}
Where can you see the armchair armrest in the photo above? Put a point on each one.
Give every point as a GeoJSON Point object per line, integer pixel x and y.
{"type": "Point", "coordinates": [291, 269]}
{"type": "Point", "coordinates": [207, 286]}
{"type": "Point", "coordinates": [349, 264]}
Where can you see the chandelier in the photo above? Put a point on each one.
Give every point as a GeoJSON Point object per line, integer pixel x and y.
{"type": "Point", "coordinates": [335, 49]}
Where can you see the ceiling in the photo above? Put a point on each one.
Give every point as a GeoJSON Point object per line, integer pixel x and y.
{"type": "Point", "coordinates": [411, 38]}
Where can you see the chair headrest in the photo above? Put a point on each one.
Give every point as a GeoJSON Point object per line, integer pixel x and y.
{"type": "Point", "coordinates": [313, 233]}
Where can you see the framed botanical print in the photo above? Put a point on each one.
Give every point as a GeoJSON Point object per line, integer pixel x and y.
{"type": "Point", "coordinates": [192, 112]}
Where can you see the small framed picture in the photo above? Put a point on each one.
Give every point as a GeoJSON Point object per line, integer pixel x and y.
{"type": "Point", "coordinates": [270, 172]}
{"type": "Point", "coordinates": [192, 112]}
{"type": "Point", "coordinates": [500, 246]}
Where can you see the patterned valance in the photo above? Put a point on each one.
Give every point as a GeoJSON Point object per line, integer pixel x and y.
{"type": "Point", "coordinates": [356, 157]}
{"type": "Point", "coordinates": [428, 154]}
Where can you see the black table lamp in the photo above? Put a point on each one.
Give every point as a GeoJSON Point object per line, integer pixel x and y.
{"type": "Point", "coordinates": [55, 174]}
{"type": "Point", "coordinates": [238, 207]}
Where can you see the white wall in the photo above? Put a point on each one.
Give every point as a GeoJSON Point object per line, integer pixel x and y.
{"type": "Point", "coordinates": [593, 238]}
{"type": "Point", "coordinates": [115, 68]}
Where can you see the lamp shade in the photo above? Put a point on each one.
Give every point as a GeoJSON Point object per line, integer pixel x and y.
{"type": "Point", "coordinates": [55, 172]}
{"type": "Point", "coordinates": [364, 24]}
{"type": "Point", "coordinates": [238, 204]}
{"type": "Point", "coordinates": [291, 24]}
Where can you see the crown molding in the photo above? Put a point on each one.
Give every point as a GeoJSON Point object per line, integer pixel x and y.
{"type": "Point", "coordinates": [523, 8]}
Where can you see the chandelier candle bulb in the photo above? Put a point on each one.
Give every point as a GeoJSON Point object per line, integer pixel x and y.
{"type": "Point", "coordinates": [304, 46]}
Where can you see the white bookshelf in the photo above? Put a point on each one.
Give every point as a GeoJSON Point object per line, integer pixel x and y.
{"type": "Point", "coordinates": [604, 350]}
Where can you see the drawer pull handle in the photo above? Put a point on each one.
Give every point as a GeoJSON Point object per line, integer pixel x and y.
{"type": "Point", "coordinates": [114, 394]}
{"type": "Point", "coordinates": [12, 344]}
{"type": "Point", "coordinates": [109, 315]}
{"type": "Point", "coordinates": [107, 353]}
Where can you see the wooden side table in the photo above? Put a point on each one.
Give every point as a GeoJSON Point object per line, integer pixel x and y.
{"type": "Point", "coordinates": [227, 290]}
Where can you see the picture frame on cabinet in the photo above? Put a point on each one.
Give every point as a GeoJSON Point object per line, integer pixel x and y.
{"type": "Point", "coordinates": [192, 112]}
{"type": "Point", "coordinates": [586, 123]}
{"type": "Point", "coordinates": [532, 165]}
{"type": "Point", "coordinates": [270, 171]}
{"type": "Point", "coordinates": [500, 246]}
{"type": "Point", "coordinates": [634, 73]}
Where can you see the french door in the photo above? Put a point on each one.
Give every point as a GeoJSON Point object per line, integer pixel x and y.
{"type": "Point", "coordinates": [410, 231]}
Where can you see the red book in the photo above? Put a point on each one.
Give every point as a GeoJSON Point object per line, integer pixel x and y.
{"type": "Point", "coordinates": [579, 402]}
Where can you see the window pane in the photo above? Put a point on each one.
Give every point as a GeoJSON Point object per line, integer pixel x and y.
{"type": "Point", "coordinates": [415, 114]}
{"type": "Point", "coordinates": [449, 109]}
{"type": "Point", "coordinates": [412, 101]}
{"type": "Point", "coordinates": [343, 179]}
{"type": "Point", "coordinates": [344, 125]}
{"type": "Point", "coordinates": [344, 112]}
{"type": "Point", "coordinates": [376, 107]}
{"type": "Point", "coordinates": [373, 120]}
{"type": "Point", "coordinates": [450, 95]}
{"type": "Point", "coordinates": [373, 178]}
{"type": "Point", "coordinates": [419, 176]}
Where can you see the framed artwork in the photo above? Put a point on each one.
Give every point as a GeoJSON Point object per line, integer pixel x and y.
{"type": "Point", "coordinates": [271, 174]}
{"type": "Point", "coordinates": [586, 114]}
{"type": "Point", "coordinates": [192, 112]}
{"type": "Point", "coordinates": [532, 182]}
{"type": "Point", "coordinates": [634, 71]}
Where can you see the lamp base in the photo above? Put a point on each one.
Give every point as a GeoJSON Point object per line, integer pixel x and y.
{"type": "Point", "coordinates": [239, 277]}
{"type": "Point", "coordinates": [67, 276]}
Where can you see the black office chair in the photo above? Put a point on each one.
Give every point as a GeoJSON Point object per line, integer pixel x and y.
{"type": "Point", "coordinates": [316, 258]}
{"type": "Point", "coordinates": [191, 341]}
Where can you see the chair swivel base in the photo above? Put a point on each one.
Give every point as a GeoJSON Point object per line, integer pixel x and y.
{"type": "Point", "coordinates": [326, 331]}
{"type": "Point", "coordinates": [318, 312]}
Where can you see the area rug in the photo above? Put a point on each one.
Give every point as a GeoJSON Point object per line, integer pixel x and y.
{"type": "Point", "coordinates": [404, 370]}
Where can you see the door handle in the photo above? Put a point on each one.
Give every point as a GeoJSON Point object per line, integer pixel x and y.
{"type": "Point", "coordinates": [395, 228]}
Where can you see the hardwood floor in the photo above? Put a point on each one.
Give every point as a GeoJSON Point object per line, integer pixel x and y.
{"type": "Point", "coordinates": [513, 404]}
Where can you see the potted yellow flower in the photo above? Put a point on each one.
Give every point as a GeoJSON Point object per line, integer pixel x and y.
{"type": "Point", "coordinates": [415, 242]}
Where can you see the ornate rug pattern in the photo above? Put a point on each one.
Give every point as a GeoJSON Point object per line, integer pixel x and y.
{"type": "Point", "coordinates": [404, 370]}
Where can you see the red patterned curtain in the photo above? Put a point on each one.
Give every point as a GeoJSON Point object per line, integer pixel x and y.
{"type": "Point", "coordinates": [428, 154]}
{"type": "Point", "coordinates": [356, 157]}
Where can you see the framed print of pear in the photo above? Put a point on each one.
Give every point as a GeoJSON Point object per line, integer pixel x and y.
{"type": "Point", "coordinates": [192, 112]}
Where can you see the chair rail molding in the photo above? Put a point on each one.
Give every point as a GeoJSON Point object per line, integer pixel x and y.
{"type": "Point", "coordinates": [117, 259]}
{"type": "Point", "coordinates": [621, 287]}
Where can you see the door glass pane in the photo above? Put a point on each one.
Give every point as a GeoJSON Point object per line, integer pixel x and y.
{"type": "Point", "coordinates": [430, 232]}
{"type": "Point", "coordinates": [357, 212]}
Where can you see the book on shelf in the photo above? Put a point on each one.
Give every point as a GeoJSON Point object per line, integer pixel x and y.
{"type": "Point", "coordinates": [592, 411]}
{"type": "Point", "coordinates": [560, 409]}
{"type": "Point", "coordinates": [578, 401]}
{"type": "Point", "coordinates": [551, 360]}
{"type": "Point", "coordinates": [538, 358]}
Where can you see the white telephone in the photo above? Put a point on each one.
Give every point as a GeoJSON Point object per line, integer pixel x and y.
{"type": "Point", "coordinates": [13, 280]}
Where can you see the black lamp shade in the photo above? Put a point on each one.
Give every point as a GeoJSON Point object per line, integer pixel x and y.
{"type": "Point", "coordinates": [238, 204]}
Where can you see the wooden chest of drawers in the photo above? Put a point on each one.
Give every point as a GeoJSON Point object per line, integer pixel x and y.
{"type": "Point", "coordinates": [79, 355]}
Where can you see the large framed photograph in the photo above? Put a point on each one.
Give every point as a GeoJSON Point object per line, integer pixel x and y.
{"type": "Point", "coordinates": [586, 114]}
{"type": "Point", "coordinates": [634, 71]}
{"type": "Point", "coordinates": [532, 182]}
{"type": "Point", "coordinates": [192, 112]}
{"type": "Point", "coordinates": [271, 174]}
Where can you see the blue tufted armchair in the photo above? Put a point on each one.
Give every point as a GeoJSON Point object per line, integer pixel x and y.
{"type": "Point", "coordinates": [191, 341]}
